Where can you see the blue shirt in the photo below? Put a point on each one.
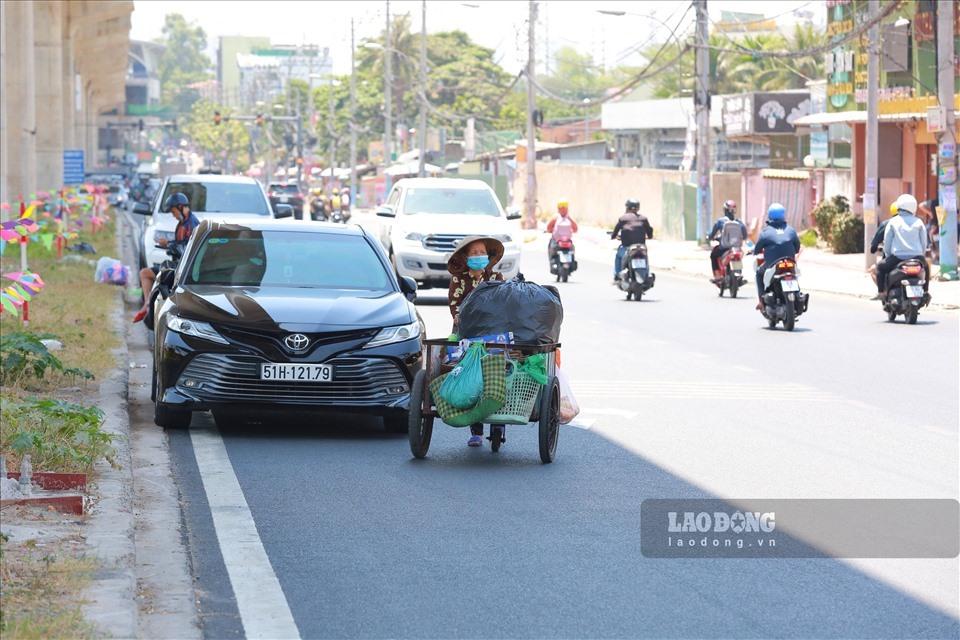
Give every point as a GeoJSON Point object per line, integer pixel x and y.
{"type": "Point", "coordinates": [777, 240]}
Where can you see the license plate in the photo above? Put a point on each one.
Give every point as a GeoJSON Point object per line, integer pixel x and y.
{"type": "Point", "coordinates": [284, 199]}
{"type": "Point", "coordinates": [296, 372]}
{"type": "Point", "coordinates": [790, 285]}
{"type": "Point", "coordinates": [736, 265]}
{"type": "Point", "coordinates": [638, 263]}
{"type": "Point", "coordinates": [914, 290]}
{"type": "Point", "coordinates": [566, 258]}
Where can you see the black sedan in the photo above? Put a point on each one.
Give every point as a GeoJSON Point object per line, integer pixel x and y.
{"type": "Point", "coordinates": [269, 316]}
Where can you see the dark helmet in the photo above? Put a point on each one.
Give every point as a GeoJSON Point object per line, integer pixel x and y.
{"type": "Point", "coordinates": [730, 209]}
{"type": "Point", "coordinates": [632, 205]}
{"type": "Point", "coordinates": [176, 200]}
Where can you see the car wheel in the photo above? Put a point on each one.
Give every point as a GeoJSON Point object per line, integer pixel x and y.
{"type": "Point", "coordinates": [398, 422]}
{"type": "Point", "coordinates": [171, 418]}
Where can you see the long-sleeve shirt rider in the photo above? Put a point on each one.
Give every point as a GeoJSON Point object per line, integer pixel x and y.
{"type": "Point", "coordinates": [905, 236]}
{"type": "Point", "coordinates": [878, 236]}
{"type": "Point", "coordinates": [777, 240]}
{"type": "Point", "coordinates": [632, 228]}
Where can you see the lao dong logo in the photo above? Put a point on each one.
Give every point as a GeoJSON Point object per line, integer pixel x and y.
{"type": "Point", "coordinates": [720, 522]}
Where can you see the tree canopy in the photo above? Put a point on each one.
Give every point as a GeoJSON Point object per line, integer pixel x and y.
{"type": "Point", "coordinates": [183, 61]}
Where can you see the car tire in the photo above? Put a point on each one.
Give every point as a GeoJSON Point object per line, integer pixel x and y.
{"type": "Point", "coordinates": [171, 418]}
{"type": "Point", "coordinates": [398, 422]}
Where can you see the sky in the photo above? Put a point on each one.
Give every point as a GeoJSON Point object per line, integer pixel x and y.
{"type": "Point", "coordinates": [500, 24]}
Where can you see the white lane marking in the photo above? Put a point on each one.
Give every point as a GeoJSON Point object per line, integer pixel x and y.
{"type": "Point", "coordinates": [582, 423]}
{"type": "Point", "coordinates": [263, 608]}
{"type": "Point", "coordinates": [607, 411]}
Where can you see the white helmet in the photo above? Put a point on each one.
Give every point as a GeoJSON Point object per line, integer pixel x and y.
{"type": "Point", "coordinates": [907, 202]}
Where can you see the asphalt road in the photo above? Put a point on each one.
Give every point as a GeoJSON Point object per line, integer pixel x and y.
{"type": "Point", "coordinates": [683, 395]}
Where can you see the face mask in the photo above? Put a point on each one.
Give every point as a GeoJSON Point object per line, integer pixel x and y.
{"type": "Point", "coordinates": [478, 263]}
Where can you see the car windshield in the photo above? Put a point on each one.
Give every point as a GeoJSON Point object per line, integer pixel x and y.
{"type": "Point", "coordinates": [289, 189]}
{"type": "Point", "coordinates": [221, 197]}
{"type": "Point", "coordinates": [236, 256]}
{"type": "Point", "coordinates": [457, 201]}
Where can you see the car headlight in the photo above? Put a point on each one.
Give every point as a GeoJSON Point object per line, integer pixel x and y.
{"type": "Point", "coordinates": [389, 335]}
{"type": "Point", "coordinates": [169, 236]}
{"type": "Point", "coordinates": [413, 236]}
{"type": "Point", "coordinates": [194, 328]}
{"type": "Point", "coordinates": [504, 238]}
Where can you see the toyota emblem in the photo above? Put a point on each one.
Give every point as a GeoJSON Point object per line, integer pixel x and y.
{"type": "Point", "coordinates": [297, 341]}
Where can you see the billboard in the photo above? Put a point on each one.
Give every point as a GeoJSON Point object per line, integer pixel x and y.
{"type": "Point", "coordinates": [770, 113]}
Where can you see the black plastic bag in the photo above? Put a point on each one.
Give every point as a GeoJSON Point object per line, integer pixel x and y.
{"type": "Point", "coordinates": [532, 312]}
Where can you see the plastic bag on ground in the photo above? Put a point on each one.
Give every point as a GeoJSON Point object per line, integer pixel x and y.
{"type": "Point", "coordinates": [462, 387]}
{"type": "Point", "coordinates": [111, 271]}
{"type": "Point", "coordinates": [569, 409]}
{"type": "Point", "coordinates": [531, 312]}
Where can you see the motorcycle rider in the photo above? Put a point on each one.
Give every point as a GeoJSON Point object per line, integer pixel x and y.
{"type": "Point", "coordinates": [729, 215]}
{"type": "Point", "coordinates": [562, 227]}
{"type": "Point", "coordinates": [179, 206]}
{"type": "Point", "coordinates": [904, 238]}
{"type": "Point", "coordinates": [777, 240]}
{"type": "Point", "coordinates": [632, 228]}
{"type": "Point", "coordinates": [877, 241]}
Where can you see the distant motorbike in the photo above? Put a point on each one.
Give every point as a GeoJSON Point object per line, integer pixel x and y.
{"type": "Point", "coordinates": [318, 210]}
{"type": "Point", "coordinates": [782, 299]}
{"type": "Point", "coordinates": [731, 271]}
{"type": "Point", "coordinates": [564, 260]}
{"type": "Point", "coordinates": [905, 294]}
{"type": "Point", "coordinates": [635, 276]}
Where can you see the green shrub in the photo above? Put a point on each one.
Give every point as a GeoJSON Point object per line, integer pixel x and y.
{"type": "Point", "coordinates": [23, 354]}
{"type": "Point", "coordinates": [847, 235]}
{"type": "Point", "coordinates": [60, 436]}
{"type": "Point", "coordinates": [808, 238]}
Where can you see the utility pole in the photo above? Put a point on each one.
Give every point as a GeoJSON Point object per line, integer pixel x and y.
{"type": "Point", "coordinates": [388, 107]}
{"type": "Point", "coordinates": [530, 217]}
{"type": "Point", "coordinates": [872, 166]}
{"type": "Point", "coordinates": [947, 149]}
{"type": "Point", "coordinates": [701, 98]}
{"type": "Point", "coordinates": [353, 129]}
{"type": "Point", "coordinates": [422, 126]}
{"type": "Point", "coordinates": [331, 132]}
{"type": "Point", "coordinates": [299, 159]}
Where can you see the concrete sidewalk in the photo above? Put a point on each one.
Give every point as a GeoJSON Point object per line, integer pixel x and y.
{"type": "Point", "coordinates": [819, 270]}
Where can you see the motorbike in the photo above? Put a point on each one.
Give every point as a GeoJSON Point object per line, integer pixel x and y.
{"type": "Point", "coordinates": [635, 276]}
{"type": "Point", "coordinates": [564, 260]}
{"type": "Point", "coordinates": [905, 294]}
{"type": "Point", "coordinates": [163, 284]}
{"type": "Point", "coordinates": [318, 211]}
{"type": "Point", "coordinates": [731, 271]}
{"type": "Point", "coordinates": [782, 298]}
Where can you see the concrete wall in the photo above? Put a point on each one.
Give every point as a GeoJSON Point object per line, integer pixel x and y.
{"type": "Point", "coordinates": [50, 50]}
{"type": "Point", "coordinates": [597, 194]}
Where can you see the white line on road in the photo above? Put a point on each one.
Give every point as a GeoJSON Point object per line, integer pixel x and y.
{"type": "Point", "coordinates": [263, 608]}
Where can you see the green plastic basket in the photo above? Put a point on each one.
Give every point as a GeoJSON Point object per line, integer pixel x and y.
{"type": "Point", "coordinates": [522, 394]}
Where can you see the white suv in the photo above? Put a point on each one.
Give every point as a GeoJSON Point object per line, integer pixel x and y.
{"type": "Point", "coordinates": [424, 219]}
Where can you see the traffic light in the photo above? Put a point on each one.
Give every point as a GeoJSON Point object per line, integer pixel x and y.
{"type": "Point", "coordinates": [216, 118]}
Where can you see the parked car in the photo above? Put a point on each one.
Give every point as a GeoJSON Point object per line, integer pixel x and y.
{"type": "Point", "coordinates": [274, 316]}
{"type": "Point", "coordinates": [287, 193]}
{"type": "Point", "coordinates": [424, 219]}
{"type": "Point", "coordinates": [209, 195]}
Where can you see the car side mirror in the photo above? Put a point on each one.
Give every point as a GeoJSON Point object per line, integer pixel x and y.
{"type": "Point", "coordinates": [513, 213]}
{"type": "Point", "coordinates": [409, 287]}
{"type": "Point", "coordinates": [283, 211]}
{"type": "Point", "coordinates": [167, 277]}
{"type": "Point", "coordinates": [142, 208]}
{"type": "Point", "coordinates": [386, 212]}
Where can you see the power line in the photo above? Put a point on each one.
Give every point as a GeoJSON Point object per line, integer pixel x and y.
{"type": "Point", "coordinates": [673, 32]}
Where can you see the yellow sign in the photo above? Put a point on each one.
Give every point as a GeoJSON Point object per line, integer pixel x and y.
{"type": "Point", "coordinates": [913, 105]}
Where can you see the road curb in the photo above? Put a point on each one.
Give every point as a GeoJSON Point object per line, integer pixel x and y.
{"type": "Point", "coordinates": [111, 597]}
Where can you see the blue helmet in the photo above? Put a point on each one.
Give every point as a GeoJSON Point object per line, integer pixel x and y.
{"type": "Point", "coordinates": [776, 212]}
{"type": "Point", "coordinates": [176, 200]}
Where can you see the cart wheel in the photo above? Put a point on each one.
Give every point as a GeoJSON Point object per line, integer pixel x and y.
{"type": "Point", "coordinates": [420, 427]}
{"type": "Point", "coordinates": [496, 437]}
{"type": "Point", "coordinates": [549, 420]}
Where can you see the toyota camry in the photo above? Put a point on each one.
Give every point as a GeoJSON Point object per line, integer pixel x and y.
{"type": "Point", "coordinates": [285, 315]}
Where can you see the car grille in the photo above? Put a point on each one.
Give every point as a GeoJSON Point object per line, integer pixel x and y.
{"type": "Point", "coordinates": [442, 241]}
{"type": "Point", "coordinates": [266, 342]}
{"type": "Point", "coordinates": [233, 378]}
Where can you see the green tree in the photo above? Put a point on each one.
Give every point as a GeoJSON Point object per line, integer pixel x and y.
{"type": "Point", "coordinates": [183, 61]}
{"type": "Point", "coordinates": [230, 136]}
